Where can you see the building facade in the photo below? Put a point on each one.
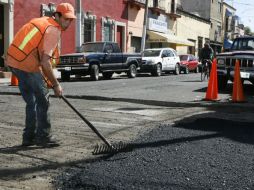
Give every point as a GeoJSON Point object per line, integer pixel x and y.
{"type": "Point", "coordinates": [211, 10]}
{"type": "Point", "coordinates": [228, 29]}
{"type": "Point", "coordinates": [195, 29]}
{"type": "Point", "coordinates": [121, 21]}
{"type": "Point", "coordinates": [15, 13]}
{"type": "Point", "coordinates": [160, 25]}
{"type": "Point", "coordinates": [105, 21]}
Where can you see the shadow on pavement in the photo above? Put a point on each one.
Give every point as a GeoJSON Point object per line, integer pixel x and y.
{"type": "Point", "coordinates": [242, 132]}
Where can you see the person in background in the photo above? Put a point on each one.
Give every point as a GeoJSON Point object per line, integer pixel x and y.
{"type": "Point", "coordinates": [31, 57]}
{"type": "Point", "coordinates": [206, 55]}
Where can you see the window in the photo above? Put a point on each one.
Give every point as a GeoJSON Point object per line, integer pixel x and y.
{"type": "Point", "coordinates": [108, 48]}
{"type": "Point", "coordinates": [88, 30]}
{"type": "Point", "coordinates": [219, 30]}
{"type": "Point", "coordinates": [173, 6]}
{"type": "Point", "coordinates": [174, 53]}
{"type": "Point", "coordinates": [171, 54]}
{"type": "Point", "coordinates": [226, 25]}
{"type": "Point", "coordinates": [107, 29]}
{"type": "Point", "coordinates": [165, 53]}
{"type": "Point", "coordinates": [151, 53]}
{"type": "Point", "coordinates": [89, 27]}
{"type": "Point", "coordinates": [219, 7]}
{"type": "Point", "coordinates": [48, 10]}
{"type": "Point", "coordinates": [243, 44]}
{"type": "Point", "coordinates": [107, 32]}
{"type": "Point", "coordinates": [200, 44]}
{"type": "Point", "coordinates": [116, 48]}
{"type": "Point", "coordinates": [155, 3]}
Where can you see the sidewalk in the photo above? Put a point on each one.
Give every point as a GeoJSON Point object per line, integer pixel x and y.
{"type": "Point", "coordinates": [5, 80]}
{"type": "Point", "coordinates": [5, 77]}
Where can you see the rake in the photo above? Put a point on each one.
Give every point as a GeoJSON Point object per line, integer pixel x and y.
{"type": "Point", "coordinates": [108, 148]}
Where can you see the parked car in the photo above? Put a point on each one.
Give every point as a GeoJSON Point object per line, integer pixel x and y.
{"type": "Point", "coordinates": [188, 63]}
{"type": "Point", "coordinates": [158, 60]}
{"type": "Point", "coordinates": [99, 57]}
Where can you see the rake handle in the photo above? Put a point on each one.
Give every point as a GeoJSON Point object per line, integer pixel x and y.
{"type": "Point", "coordinates": [86, 121]}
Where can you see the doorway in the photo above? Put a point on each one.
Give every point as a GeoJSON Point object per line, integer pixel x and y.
{"type": "Point", "coordinates": [120, 37]}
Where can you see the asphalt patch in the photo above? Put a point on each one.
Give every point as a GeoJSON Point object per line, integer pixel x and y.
{"type": "Point", "coordinates": [207, 153]}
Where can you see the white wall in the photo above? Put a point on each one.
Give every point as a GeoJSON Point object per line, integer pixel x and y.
{"type": "Point", "coordinates": [191, 28]}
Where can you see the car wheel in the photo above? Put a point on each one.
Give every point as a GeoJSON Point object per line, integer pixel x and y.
{"type": "Point", "coordinates": [186, 70]}
{"type": "Point", "coordinates": [177, 69]}
{"type": "Point", "coordinates": [157, 70]}
{"type": "Point", "coordinates": [107, 75]}
{"type": "Point", "coordinates": [65, 76]}
{"type": "Point", "coordinates": [94, 72]}
{"type": "Point", "coordinates": [222, 82]}
{"type": "Point", "coordinates": [132, 72]}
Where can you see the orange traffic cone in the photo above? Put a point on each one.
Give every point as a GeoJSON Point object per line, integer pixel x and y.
{"type": "Point", "coordinates": [238, 95]}
{"type": "Point", "coordinates": [212, 90]}
{"type": "Point", "coordinates": [14, 80]}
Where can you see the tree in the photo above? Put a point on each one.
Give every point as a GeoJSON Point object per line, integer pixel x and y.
{"type": "Point", "coordinates": [248, 31]}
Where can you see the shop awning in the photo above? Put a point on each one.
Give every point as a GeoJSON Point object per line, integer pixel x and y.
{"type": "Point", "coordinates": [169, 38]}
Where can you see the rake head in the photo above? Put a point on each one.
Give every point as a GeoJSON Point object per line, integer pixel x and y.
{"type": "Point", "coordinates": [115, 148]}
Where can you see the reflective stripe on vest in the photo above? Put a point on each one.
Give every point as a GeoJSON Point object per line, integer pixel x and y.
{"type": "Point", "coordinates": [28, 37]}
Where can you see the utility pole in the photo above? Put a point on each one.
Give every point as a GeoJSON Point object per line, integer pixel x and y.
{"type": "Point", "coordinates": [78, 25]}
{"type": "Point", "coordinates": [143, 42]}
{"type": "Point", "coordinates": [223, 30]}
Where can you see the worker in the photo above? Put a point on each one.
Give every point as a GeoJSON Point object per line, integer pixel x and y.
{"type": "Point", "coordinates": [31, 57]}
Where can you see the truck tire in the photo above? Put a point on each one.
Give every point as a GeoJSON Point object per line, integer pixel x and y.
{"type": "Point", "coordinates": [65, 76]}
{"type": "Point", "coordinates": [132, 72]}
{"type": "Point", "coordinates": [94, 72]}
{"type": "Point", "coordinates": [107, 75]}
{"type": "Point", "coordinates": [222, 82]}
{"type": "Point", "coordinates": [157, 70]}
{"type": "Point", "coordinates": [177, 69]}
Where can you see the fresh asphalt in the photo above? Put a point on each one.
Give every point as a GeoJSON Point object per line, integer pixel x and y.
{"type": "Point", "coordinates": [204, 153]}
{"type": "Point", "coordinates": [208, 151]}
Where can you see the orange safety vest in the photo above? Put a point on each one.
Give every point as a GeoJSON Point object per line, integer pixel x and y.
{"type": "Point", "coordinates": [29, 37]}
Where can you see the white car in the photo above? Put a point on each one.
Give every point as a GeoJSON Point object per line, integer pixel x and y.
{"type": "Point", "coordinates": [158, 60]}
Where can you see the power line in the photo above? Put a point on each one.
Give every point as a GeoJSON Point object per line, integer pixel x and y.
{"type": "Point", "coordinates": [247, 4]}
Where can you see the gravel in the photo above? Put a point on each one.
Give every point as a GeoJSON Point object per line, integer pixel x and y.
{"type": "Point", "coordinates": [205, 153]}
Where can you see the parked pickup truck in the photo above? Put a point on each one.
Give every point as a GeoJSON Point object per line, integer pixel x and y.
{"type": "Point", "coordinates": [243, 50]}
{"type": "Point", "coordinates": [99, 57]}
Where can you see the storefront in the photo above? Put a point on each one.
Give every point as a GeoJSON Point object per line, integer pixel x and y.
{"type": "Point", "coordinates": [158, 36]}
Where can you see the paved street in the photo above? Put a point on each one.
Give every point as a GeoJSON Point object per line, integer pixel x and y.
{"type": "Point", "coordinates": [140, 111]}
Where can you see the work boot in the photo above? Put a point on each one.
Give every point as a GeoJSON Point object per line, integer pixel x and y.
{"type": "Point", "coordinates": [46, 141]}
{"type": "Point", "coordinates": [28, 142]}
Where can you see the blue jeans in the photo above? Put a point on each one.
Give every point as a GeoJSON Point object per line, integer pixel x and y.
{"type": "Point", "coordinates": [36, 95]}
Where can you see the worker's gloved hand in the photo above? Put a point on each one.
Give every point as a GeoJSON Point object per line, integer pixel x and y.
{"type": "Point", "coordinates": [58, 90]}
